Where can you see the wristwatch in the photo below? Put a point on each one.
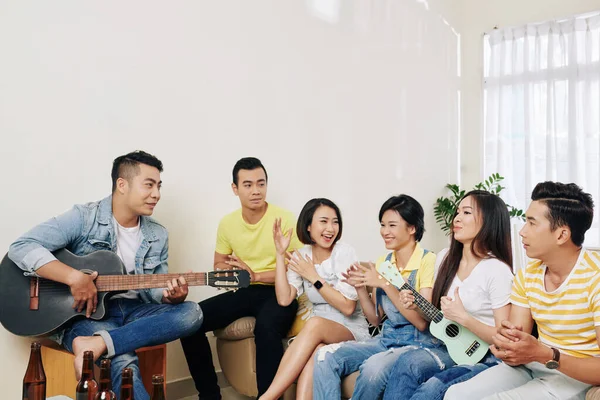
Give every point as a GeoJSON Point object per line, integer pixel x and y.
{"type": "Point", "coordinates": [554, 363]}
{"type": "Point", "coordinates": [318, 285]}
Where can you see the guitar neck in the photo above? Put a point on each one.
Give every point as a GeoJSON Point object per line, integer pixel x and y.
{"type": "Point", "coordinates": [110, 283]}
{"type": "Point", "coordinates": [426, 307]}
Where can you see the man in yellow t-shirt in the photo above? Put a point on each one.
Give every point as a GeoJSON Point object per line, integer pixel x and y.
{"type": "Point", "coordinates": [560, 292]}
{"type": "Point", "coordinates": [245, 240]}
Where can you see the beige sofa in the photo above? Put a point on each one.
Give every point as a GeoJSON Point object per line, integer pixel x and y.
{"type": "Point", "coordinates": [593, 393]}
{"type": "Point", "coordinates": [237, 356]}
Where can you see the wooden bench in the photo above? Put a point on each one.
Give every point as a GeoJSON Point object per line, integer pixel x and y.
{"type": "Point", "coordinates": [60, 375]}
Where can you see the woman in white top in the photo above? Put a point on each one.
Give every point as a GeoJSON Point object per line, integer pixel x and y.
{"type": "Point", "coordinates": [472, 287]}
{"type": "Point", "coordinates": [317, 269]}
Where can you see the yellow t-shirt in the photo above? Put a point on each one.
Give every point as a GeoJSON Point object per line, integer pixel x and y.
{"type": "Point", "coordinates": [568, 316]}
{"type": "Point", "coordinates": [424, 264]}
{"type": "Point", "coordinates": [254, 244]}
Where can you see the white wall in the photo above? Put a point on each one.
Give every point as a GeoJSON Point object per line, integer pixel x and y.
{"type": "Point", "coordinates": [480, 17]}
{"type": "Point", "coordinates": [352, 100]}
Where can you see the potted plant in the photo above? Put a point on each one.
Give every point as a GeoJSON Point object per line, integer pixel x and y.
{"type": "Point", "coordinates": [445, 207]}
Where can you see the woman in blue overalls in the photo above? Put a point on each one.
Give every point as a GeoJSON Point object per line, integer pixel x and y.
{"type": "Point", "coordinates": [402, 228]}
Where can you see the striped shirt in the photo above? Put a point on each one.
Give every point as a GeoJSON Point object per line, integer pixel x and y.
{"type": "Point", "coordinates": [566, 317]}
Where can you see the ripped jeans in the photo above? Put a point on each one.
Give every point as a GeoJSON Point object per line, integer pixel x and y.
{"type": "Point", "coordinates": [426, 374]}
{"type": "Point", "coordinates": [374, 358]}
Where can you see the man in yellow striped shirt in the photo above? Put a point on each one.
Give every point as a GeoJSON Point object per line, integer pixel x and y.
{"type": "Point", "coordinates": [561, 293]}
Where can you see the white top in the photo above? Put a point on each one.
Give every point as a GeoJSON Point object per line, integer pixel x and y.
{"type": "Point", "coordinates": [487, 288]}
{"type": "Point", "coordinates": [342, 256]}
{"type": "Point", "coordinates": [128, 243]}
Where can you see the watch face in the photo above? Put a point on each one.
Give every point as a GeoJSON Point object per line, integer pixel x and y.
{"type": "Point", "coordinates": [318, 285]}
{"type": "Point", "coordinates": [551, 364]}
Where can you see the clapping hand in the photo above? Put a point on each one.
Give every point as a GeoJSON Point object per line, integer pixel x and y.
{"type": "Point", "coordinates": [282, 240]}
{"type": "Point", "coordinates": [349, 278]}
{"type": "Point", "coordinates": [303, 266]}
{"type": "Point", "coordinates": [363, 276]}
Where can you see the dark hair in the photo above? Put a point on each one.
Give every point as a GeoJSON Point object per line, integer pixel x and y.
{"type": "Point", "coordinates": [248, 163]}
{"type": "Point", "coordinates": [568, 205]}
{"type": "Point", "coordinates": [127, 166]}
{"type": "Point", "coordinates": [492, 241]}
{"type": "Point", "coordinates": [409, 209]}
{"type": "Point", "coordinates": [306, 216]}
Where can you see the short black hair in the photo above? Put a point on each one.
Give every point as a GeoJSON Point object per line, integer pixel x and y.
{"type": "Point", "coordinates": [409, 209]}
{"type": "Point", "coordinates": [248, 163]}
{"type": "Point", "coordinates": [127, 166]}
{"type": "Point", "coordinates": [306, 216]}
{"type": "Point", "coordinates": [568, 205]}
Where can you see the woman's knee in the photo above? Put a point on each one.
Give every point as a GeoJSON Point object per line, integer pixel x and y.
{"type": "Point", "coordinates": [373, 371]}
{"type": "Point", "coordinates": [317, 327]}
{"type": "Point", "coordinates": [325, 358]}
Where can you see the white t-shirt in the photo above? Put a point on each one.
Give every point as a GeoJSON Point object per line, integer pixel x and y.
{"type": "Point", "coordinates": [487, 288]}
{"type": "Point", "coordinates": [342, 256]}
{"type": "Point", "coordinates": [128, 243]}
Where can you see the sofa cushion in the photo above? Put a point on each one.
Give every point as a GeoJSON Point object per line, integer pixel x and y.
{"type": "Point", "coordinates": [304, 312]}
{"type": "Point", "coordinates": [593, 393]}
{"type": "Point", "coordinates": [237, 330]}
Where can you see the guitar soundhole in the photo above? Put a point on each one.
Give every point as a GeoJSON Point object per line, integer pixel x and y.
{"type": "Point", "coordinates": [452, 330]}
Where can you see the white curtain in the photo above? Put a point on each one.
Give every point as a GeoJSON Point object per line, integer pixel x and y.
{"type": "Point", "coordinates": [542, 109]}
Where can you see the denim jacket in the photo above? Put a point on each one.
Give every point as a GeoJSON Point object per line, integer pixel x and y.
{"type": "Point", "coordinates": [85, 229]}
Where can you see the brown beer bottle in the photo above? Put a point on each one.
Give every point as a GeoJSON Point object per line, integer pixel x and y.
{"type": "Point", "coordinates": [87, 386]}
{"type": "Point", "coordinates": [34, 382]}
{"type": "Point", "coordinates": [158, 387]}
{"type": "Point", "coordinates": [126, 384]}
{"type": "Point", "coordinates": [105, 392]}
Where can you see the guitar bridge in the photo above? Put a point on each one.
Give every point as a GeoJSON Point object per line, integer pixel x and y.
{"type": "Point", "coordinates": [34, 294]}
{"type": "Point", "coordinates": [472, 348]}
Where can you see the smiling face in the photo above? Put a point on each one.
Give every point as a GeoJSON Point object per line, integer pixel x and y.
{"type": "Point", "coordinates": [141, 192]}
{"type": "Point", "coordinates": [396, 233]}
{"type": "Point", "coordinates": [324, 227]}
{"type": "Point", "coordinates": [467, 222]}
{"type": "Point", "coordinates": [251, 188]}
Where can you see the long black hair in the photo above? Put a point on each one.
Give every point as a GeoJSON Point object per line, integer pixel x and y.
{"type": "Point", "coordinates": [492, 241]}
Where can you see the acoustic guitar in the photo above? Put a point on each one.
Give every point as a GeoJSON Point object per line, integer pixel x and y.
{"type": "Point", "coordinates": [32, 306]}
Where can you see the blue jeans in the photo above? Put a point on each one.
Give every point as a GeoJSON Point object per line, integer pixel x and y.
{"type": "Point", "coordinates": [374, 359]}
{"type": "Point", "coordinates": [426, 374]}
{"type": "Point", "coordinates": [132, 324]}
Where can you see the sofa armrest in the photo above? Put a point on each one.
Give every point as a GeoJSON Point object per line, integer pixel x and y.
{"type": "Point", "coordinates": [593, 393]}
{"type": "Point", "coordinates": [242, 328]}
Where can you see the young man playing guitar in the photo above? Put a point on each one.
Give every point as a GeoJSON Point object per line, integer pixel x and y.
{"type": "Point", "coordinates": [245, 240]}
{"type": "Point", "coordinates": [120, 223]}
